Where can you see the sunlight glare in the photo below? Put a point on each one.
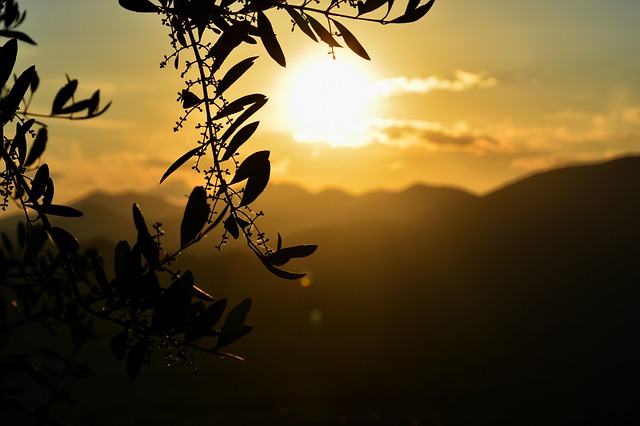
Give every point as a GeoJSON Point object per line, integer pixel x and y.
{"type": "Point", "coordinates": [330, 101]}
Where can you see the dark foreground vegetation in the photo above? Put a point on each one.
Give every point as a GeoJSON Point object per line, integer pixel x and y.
{"type": "Point", "coordinates": [426, 307]}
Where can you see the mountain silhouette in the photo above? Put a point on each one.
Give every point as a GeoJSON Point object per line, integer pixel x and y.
{"type": "Point", "coordinates": [429, 306]}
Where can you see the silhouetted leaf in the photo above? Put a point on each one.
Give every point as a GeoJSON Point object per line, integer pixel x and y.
{"type": "Point", "coordinates": [65, 211]}
{"type": "Point", "coordinates": [121, 252]}
{"type": "Point", "coordinates": [19, 146]}
{"type": "Point", "coordinates": [35, 82]}
{"type": "Point", "coordinates": [200, 12]}
{"type": "Point", "coordinates": [322, 32]}
{"type": "Point", "coordinates": [141, 6]}
{"type": "Point", "coordinates": [65, 242]}
{"type": "Point", "coordinates": [234, 73]}
{"type": "Point", "coordinates": [230, 39]}
{"type": "Point", "coordinates": [269, 39]}
{"type": "Point", "coordinates": [173, 302]}
{"type": "Point", "coordinates": [119, 345]}
{"type": "Point", "coordinates": [250, 166]}
{"type": "Point", "coordinates": [195, 215]}
{"type": "Point", "coordinates": [47, 197]}
{"type": "Point", "coordinates": [13, 99]}
{"type": "Point", "coordinates": [236, 317]}
{"type": "Point", "coordinates": [180, 35]}
{"type": "Point", "coordinates": [37, 237]}
{"type": "Point", "coordinates": [228, 338]}
{"type": "Point", "coordinates": [231, 226]}
{"type": "Point", "coordinates": [99, 273]}
{"type": "Point", "coordinates": [11, 13]}
{"type": "Point", "coordinates": [256, 169]}
{"type": "Point", "coordinates": [184, 321]}
{"type": "Point", "coordinates": [26, 126]}
{"type": "Point", "coordinates": [411, 5]}
{"type": "Point", "coordinates": [282, 256]}
{"type": "Point", "coordinates": [94, 113]}
{"type": "Point", "coordinates": [62, 97]}
{"type": "Point", "coordinates": [281, 273]}
{"type": "Point", "coordinates": [138, 219]}
{"type": "Point", "coordinates": [242, 118]}
{"type": "Point", "coordinates": [351, 41]}
{"type": "Point", "coordinates": [189, 99]}
{"type": "Point", "coordinates": [239, 104]}
{"type": "Point", "coordinates": [301, 22]}
{"type": "Point", "coordinates": [179, 162]}
{"type": "Point", "coordinates": [148, 247]}
{"type": "Point", "coordinates": [413, 14]}
{"type": "Point", "coordinates": [136, 358]}
{"type": "Point", "coordinates": [239, 138]}
{"type": "Point", "coordinates": [39, 182]}
{"type": "Point", "coordinates": [8, 55]}
{"type": "Point", "coordinates": [242, 223]}
{"type": "Point", "coordinates": [210, 317]}
{"type": "Point", "coordinates": [94, 103]}
{"type": "Point", "coordinates": [75, 107]}
{"type": "Point", "coordinates": [370, 6]}
{"type": "Point", "coordinates": [150, 289]}
{"type": "Point", "coordinates": [181, 291]}
{"type": "Point", "coordinates": [38, 147]}
{"type": "Point", "coordinates": [18, 35]}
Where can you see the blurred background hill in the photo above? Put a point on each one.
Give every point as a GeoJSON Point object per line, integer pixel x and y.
{"type": "Point", "coordinates": [430, 306]}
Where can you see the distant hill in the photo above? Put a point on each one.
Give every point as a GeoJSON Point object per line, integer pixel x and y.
{"type": "Point", "coordinates": [429, 306]}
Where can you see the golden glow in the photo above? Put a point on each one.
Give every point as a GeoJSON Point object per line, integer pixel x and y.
{"type": "Point", "coordinates": [305, 281]}
{"type": "Point", "coordinates": [330, 101]}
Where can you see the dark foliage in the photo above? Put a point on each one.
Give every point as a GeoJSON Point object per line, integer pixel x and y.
{"type": "Point", "coordinates": [47, 281]}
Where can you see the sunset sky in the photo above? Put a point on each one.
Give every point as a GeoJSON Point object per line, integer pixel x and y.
{"type": "Point", "coordinates": [476, 94]}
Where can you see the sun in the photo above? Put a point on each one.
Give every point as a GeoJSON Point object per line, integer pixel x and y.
{"type": "Point", "coordinates": [330, 100]}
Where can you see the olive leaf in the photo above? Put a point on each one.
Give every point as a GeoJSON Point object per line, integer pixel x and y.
{"type": "Point", "coordinates": [412, 15]}
{"type": "Point", "coordinates": [239, 139]}
{"type": "Point", "coordinates": [256, 169]}
{"type": "Point", "coordinates": [301, 22]}
{"type": "Point", "coordinates": [16, 94]}
{"type": "Point", "coordinates": [322, 32]}
{"type": "Point", "coordinates": [141, 6]}
{"type": "Point", "coordinates": [269, 39]}
{"type": "Point", "coordinates": [351, 41]}
{"type": "Point", "coordinates": [179, 162]}
{"type": "Point", "coordinates": [234, 73]}
{"type": "Point", "coordinates": [8, 55]}
{"type": "Point", "coordinates": [195, 216]}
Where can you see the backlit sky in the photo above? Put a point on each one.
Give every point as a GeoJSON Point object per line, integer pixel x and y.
{"type": "Point", "coordinates": [475, 95]}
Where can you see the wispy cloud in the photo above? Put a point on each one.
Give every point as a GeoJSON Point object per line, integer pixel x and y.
{"type": "Point", "coordinates": [463, 80]}
{"type": "Point", "coordinates": [433, 136]}
{"type": "Point", "coordinates": [632, 115]}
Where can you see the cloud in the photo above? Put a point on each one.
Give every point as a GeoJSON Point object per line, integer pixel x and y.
{"type": "Point", "coordinates": [433, 136]}
{"type": "Point", "coordinates": [574, 135]}
{"type": "Point", "coordinates": [632, 115]}
{"type": "Point", "coordinates": [463, 80]}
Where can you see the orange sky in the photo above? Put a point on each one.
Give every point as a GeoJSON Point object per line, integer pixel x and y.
{"type": "Point", "coordinates": [474, 95]}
